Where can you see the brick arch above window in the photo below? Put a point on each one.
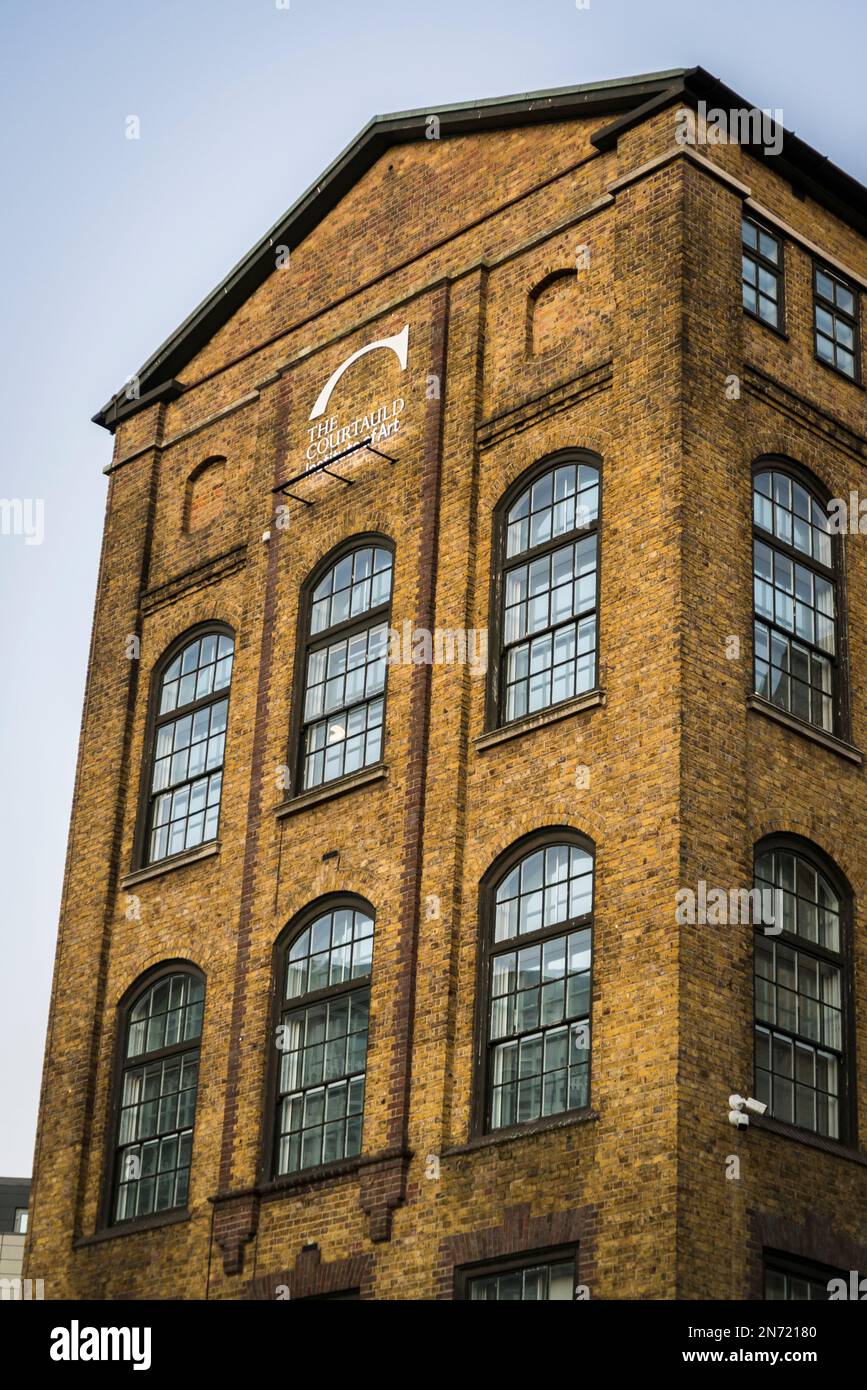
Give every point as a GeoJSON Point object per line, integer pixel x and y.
{"type": "Point", "coordinates": [520, 1232]}
{"type": "Point", "coordinates": [818, 1238]}
{"type": "Point", "coordinates": [312, 1277]}
{"type": "Point", "coordinates": [205, 493]}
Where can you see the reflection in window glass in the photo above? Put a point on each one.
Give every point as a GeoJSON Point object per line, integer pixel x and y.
{"type": "Point", "coordinates": [159, 1085]}
{"type": "Point", "coordinates": [323, 1041]}
{"type": "Point", "coordinates": [345, 667]}
{"type": "Point", "coordinates": [189, 747]}
{"type": "Point", "coordinates": [549, 599]}
{"type": "Point", "coordinates": [795, 629]}
{"type": "Point", "coordinates": [799, 996]}
{"type": "Point", "coordinates": [539, 1009]}
{"type": "Point", "coordinates": [532, 1283]}
{"type": "Point", "coordinates": [835, 322]}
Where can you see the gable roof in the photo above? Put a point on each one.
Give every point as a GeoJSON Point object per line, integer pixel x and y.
{"type": "Point", "coordinates": [628, 100]}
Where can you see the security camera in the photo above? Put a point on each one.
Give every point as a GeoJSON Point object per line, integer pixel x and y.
{"type": "Point", "coordinates": [740, 1104]}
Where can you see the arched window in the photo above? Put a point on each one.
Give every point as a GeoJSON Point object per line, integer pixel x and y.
{"type": "Point", "coordinates": [159, 1037]}
{"type": "Point", "coordinates": [537, 910]}
{"type": "Point", "coordinates": [189, 712]}
{"type": "Point", "coordinates": [802, 1032]}
{"type": "Point", "coordinates": [344, 668]}
{"type": "Point", "coordinates": [796, 592]}
{"type": "Point", "coordinates": [325, 967]}
{"type": "Point", "coordinates": [545, 607]}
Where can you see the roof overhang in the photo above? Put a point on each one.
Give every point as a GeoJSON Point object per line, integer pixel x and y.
{"type": "Point", "coordinates": [627, 101]}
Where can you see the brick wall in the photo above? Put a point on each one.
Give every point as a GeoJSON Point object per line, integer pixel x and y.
{"type": "Point", "coordinates": [625, 355]}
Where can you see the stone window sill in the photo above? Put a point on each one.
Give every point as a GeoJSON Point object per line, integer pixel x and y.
{"type": "Point", "coordinates": [165, 866]}
{"type": "Point", "coordinates": [131, 1228]}
{"type": "Point", "coordinates": [306, 1178]}
{"type": "Point", "coordinates": [834, 1147]}
{"type": "Point", "coordinates": [528, 1131]}
{"type": "Point", "coordinates": [763, 323]}
{"type": "Point", "coordinates": [789, 721]}
{"type": "Point", "coordinates": [311, 1178]}
{"type": "Point", "coordinates": [591, 700]}
{"type": "Point", "coordinates": [829, 367]}
{"type": "Point", "coordinates": [317, 795]}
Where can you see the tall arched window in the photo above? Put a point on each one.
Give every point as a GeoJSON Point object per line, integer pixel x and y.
{"type": "Point", "coordinates": [324, 970]}
{"type": "Point", "coordinates": [796, 567]}
{"type": "Point", "coordinates": [546, 542]}
{"type": "Point", "coordinates": [187, 744]}
{"type": "Point", "coordinates": [342, 713]}
{"type": "Point", "coordinates": [159, 1033]}
{"type": "Point", "coordinates": [802, 1028]}
{"type": "Point", "coordinates": [537, 912]}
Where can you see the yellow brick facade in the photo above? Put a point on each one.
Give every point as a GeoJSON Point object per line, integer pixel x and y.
{"type": "Point", "coordinates": [454, 237]}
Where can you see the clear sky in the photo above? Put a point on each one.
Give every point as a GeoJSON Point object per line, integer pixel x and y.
{"type": "Point", "coordinates": [108, 243]}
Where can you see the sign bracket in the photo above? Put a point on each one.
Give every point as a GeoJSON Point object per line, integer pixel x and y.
{"type": "Point", "coordinates": [284, 488]}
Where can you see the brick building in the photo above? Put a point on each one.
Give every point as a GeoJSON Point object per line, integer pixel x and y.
{"type": "Point", "coordinates": [14, 1196]}
{"type": "Point", "coordinates": [377, 973]}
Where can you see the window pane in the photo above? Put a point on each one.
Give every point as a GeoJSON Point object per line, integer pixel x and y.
{"type": "Point", "coordinates": [539, 1024]}
{"type": "Point", "coordinates": [795, 601]}
{"type": "Point", "coordinates": [324, 1045]}
{"type": "Point", "coordinates": [799, 1057]}
{"type": "Point", "coordinates": [530, 1283]}
{"type": "Point", "coordinates": [155, 1138]}
{"type": "Point", "coordinates": [187, 746]}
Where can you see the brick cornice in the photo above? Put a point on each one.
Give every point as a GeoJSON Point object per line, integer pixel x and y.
{"type": "Point", "coordinates": [803, 412]}
{"type": "Point", "coordinates": [197, 578]}
{"type": "Point", "coordinates": [599, 377]}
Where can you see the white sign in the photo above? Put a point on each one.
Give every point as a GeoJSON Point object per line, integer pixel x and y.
{"type": "Point", "coordinates": [329, 436]}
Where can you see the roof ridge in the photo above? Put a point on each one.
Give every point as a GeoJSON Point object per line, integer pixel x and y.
{"type": "Point", "coordinates": [624, 100]}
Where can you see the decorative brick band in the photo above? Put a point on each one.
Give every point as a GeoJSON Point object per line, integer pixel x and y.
{"type": "Point", "coordinates": [235, 1224]}
{"type": "Point", "coordinates": [599, 377]}
{"type": "Point", "coordinates": [196, 578]}
{"type": "Point", "coordinates": [815, 1239]}
{"type": "Point", "coordinates": [828, 428]}
{"type": "Point", "coordinates": [272, 428]}
{"type": "Point", "coordinates": [520, 1232]}
{"type": "Point", "coordinates": [383, 1187]}
{"type": "Point", "coordinates": [417, 760]}
{"type": "Point", "coordinates": [310, 1278]}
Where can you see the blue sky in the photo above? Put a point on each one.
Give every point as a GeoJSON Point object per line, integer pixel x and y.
{"type": "Point", "coordinates": [108, 243]}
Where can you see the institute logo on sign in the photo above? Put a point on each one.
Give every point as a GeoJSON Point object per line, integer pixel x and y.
{"type": "Point", "coordinates": [328, 436]}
